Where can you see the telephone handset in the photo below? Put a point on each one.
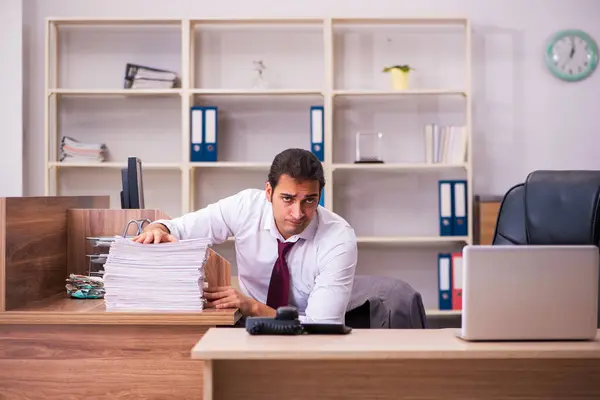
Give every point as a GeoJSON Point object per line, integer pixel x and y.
{"type": "Point", "coordinates": [286, 322]}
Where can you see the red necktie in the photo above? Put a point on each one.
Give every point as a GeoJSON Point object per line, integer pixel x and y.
{"type": "Point", "coordinates": [279, 287]}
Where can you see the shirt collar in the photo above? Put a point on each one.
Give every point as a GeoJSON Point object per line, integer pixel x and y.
{"type": "Point", "coordinates": [307, 234]}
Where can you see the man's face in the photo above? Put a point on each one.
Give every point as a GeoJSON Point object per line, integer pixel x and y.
{"type": "Point", "coordinates": [294, 204]}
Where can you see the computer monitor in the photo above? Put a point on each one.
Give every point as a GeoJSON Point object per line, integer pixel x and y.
{"type": "Point", "coordinates": [132, 195]}
{"type": "Point", "coordinates": [124, 190]}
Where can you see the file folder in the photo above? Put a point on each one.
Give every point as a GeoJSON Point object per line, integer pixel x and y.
{"type": "Point", "coordinates": [445, 281]}
{"type": "Point", "coordinates": [317, 126]}
{"type": "Point", "coordinates": [203, 134]}
{"type": "Point", "coordinates": [457, 281]}
{"type": "Point", "coordinates": [459, 216]}
{"type": "Point", "coordinates": [445, 195]}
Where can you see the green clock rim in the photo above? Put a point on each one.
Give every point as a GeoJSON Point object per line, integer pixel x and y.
{"type": "Point", "coordinates": [588, 39]}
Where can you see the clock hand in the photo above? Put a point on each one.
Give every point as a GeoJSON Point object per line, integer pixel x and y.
{"type": "Point", "coordinates": [572, 48]}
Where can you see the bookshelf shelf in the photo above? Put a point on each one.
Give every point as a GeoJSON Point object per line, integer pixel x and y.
{"type": "Point", "coordinates": [435, 21]}
{"type": "Point", "coordinates": [397, 166]}
{"type": "Point", "coordinates": [335, 62]}
{"type": "Point", "coordinates": [413, 240]}
{"type": "Point", "coordinates": [434, 312]}
{"type": "Point", "coordinates": [249, 21]}
{"type": "Point", "coordinates": [149, 165]}
{"type": "Point", "coordinates": [63, 21]}
{"type": "Point", "coordinates": [231, 164]}
{"type": "Point", "coordinates": [407, 92]}
{"type": "Point", "coordinates": [258, 92]}
{"type": "Point", "coordinates": [115, 92]}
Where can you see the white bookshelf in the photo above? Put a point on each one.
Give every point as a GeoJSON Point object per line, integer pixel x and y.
{"type": "Point", "coordinates": [334, 62]}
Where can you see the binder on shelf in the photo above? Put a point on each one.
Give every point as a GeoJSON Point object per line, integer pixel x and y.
{"type": "Point", "coordinates": [445, 281]}
{"type": "Point", "coordinates": [459, 215]}
{"type": "Point", "coordinates": [143, 77]}
{"type": "Point", "coordinates": [456, 279]}
{"type": "Point", "coordinates": [317, 126]}
{"type": "Point", "coordinates": [203, 134]}
{"type": "Point", "coordinates": [445, 203]}
{"type": "Point", "coordinates": [322, 199]}
{"type": "Point", "coordinates": [453, 212]}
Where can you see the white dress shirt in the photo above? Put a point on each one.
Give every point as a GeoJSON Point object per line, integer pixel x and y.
{"type": "Point", "coordinates": [321, 264]}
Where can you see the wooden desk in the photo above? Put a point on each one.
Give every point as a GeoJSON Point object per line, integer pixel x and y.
{"type": "Point", "coordinates": [72, 349]}
{"type": "Point", "coordinates": [394, 364]}
{"type": "Point", "coordinates": [56, 347]}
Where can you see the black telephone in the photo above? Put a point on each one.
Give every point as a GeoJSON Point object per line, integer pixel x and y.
{"type": "Point", "coordinates": [286, 322]}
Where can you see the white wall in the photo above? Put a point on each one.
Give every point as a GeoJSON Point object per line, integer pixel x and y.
{"type": "Point", "coordinates": [11, 98]}
{"type": "Point", "coordinates": [524, 119]}
{"type": "Point", "coordinates": [521, 113]}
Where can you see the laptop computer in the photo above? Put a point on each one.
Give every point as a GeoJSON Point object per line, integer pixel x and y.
{"type": "Point", "coordinates": [530, 293]}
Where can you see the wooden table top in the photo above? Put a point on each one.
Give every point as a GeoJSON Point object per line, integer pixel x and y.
{"type": "Point", "coordinates": [64, 310]}
{"type": "Point", "coordinates": [236, 343]}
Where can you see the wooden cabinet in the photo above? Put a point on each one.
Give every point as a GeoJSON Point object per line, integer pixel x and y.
{"type": "Point", "coordinates": [53, 346]}
{"type": "Point", "coordinates": [486, 210]}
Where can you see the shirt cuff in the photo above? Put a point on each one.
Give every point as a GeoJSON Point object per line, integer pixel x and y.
{"type": "Point", "coordinates": [169, 225]}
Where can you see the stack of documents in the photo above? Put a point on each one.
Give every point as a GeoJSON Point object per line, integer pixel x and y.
{"type": "Point", "coordinates": [75, 151]}
{"type": "Point", "coordinates": [155, 277]}
{"type": "Point", "coordinates": [141, 77]}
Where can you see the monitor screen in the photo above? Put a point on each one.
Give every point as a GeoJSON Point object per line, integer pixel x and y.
{"type": "Point", "coordinates": [125, 190]}
{"type": "Point", "coordinates": [135, 180]}
{"type": "Point", "coordinates": [132, 196]}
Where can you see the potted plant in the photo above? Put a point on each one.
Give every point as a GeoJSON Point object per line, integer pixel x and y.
{"type": "Point", "coordinates": [399, 75]}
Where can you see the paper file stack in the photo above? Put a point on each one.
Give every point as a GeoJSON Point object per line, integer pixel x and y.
{"type": "Point", "coordinates": [72, 150]}
{"type": "Point", "coordinates": [164, 277]}
{"type": "Point", "coordinates": [141, 77]}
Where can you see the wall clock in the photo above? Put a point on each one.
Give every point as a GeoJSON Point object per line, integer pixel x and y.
{"type": "Point", "coordinates": [571, 55]}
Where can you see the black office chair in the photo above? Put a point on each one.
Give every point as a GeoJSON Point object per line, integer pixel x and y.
{"type": "Point", "coordinates": [552, 208]}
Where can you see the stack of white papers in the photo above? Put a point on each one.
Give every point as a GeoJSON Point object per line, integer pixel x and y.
{"type": "Point", "coordinates": [75, 151]}
{"type": "Point", "coordinates": [155, 277]}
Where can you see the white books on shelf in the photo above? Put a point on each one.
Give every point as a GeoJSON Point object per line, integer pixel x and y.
{"type": "Point", "coordinates": [445, 144]}
{"type": "Point", "coordinates": [73, 150]}
{"type": "Point", "coordinates": [164, 277]}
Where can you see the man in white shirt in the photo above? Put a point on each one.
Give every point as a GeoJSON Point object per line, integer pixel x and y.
{"type": "Point", "coordinates": [289, 250]}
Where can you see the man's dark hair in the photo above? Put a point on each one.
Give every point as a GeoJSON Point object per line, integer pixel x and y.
{"type": "Point", "coordinates": [299, 164]}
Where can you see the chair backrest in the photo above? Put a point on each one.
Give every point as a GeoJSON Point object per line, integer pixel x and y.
{"type": "Point", "coordinates": [510, 223]}
{"type": "Point", "coordinates": [552, 208]}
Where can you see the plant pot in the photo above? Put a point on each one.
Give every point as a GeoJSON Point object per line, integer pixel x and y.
{"type": "Point", "coordinates": [399, 79]}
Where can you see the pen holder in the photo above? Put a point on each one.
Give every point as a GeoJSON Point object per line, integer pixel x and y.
{"type": "Point", "coordinates": [369, 147]}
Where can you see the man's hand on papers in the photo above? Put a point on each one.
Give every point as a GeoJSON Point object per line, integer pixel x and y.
{"type": "Point", "coordinates": [155, 233]}
{"type": "Point", "coordinates": [228, 297]}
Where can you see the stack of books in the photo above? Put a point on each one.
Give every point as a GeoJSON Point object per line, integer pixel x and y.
{"type": "Point", "coordinates": [142, 77]}
{"type": "Point", "coordinates": [446, 144]}
{"type": "Point", "coordinates": [164, 277]}
{"type": "Point", "coordinates": [72, 150]}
